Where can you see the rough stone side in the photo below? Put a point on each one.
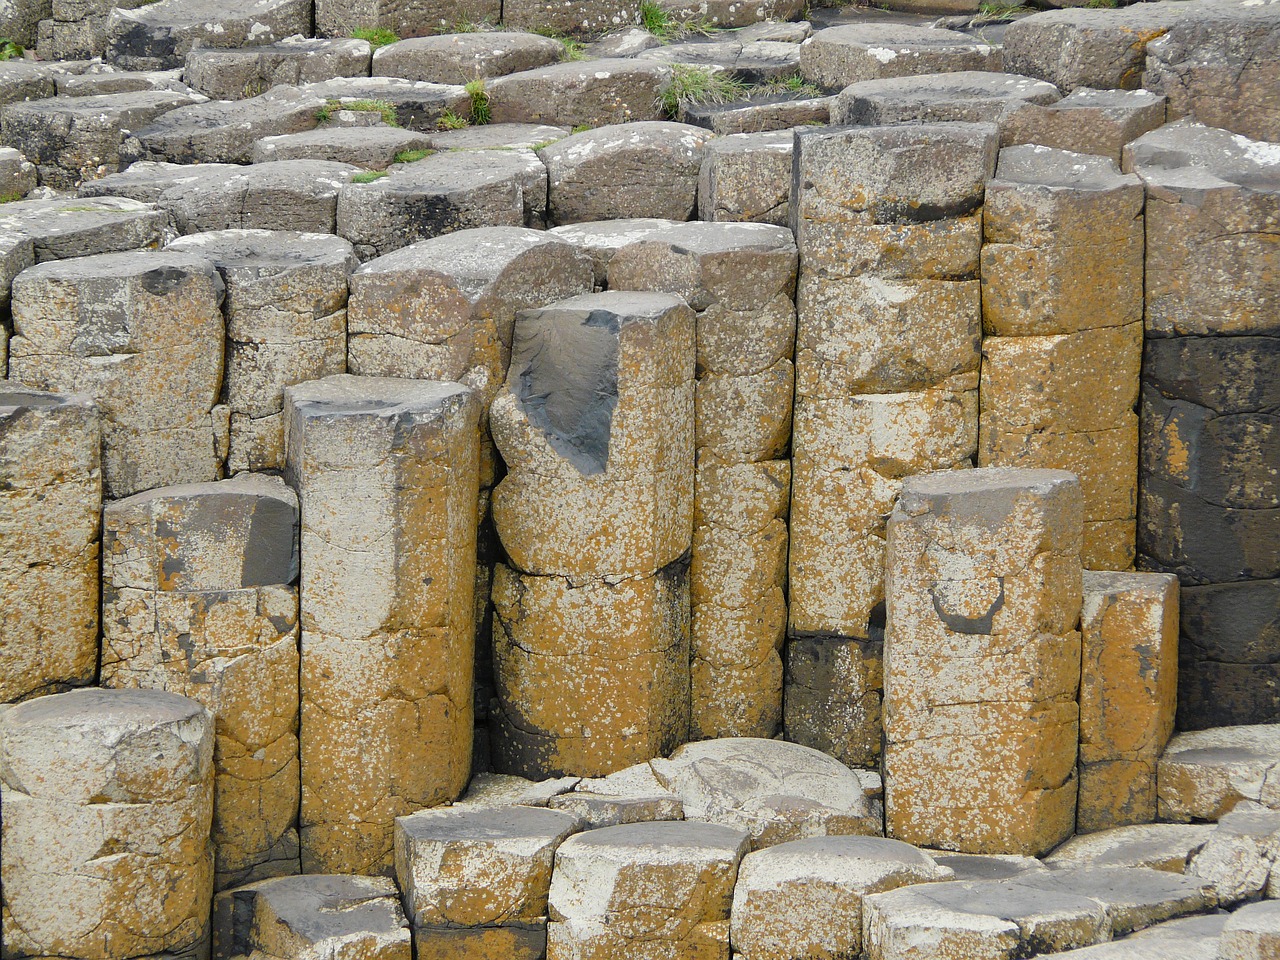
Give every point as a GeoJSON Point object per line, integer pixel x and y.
{"type": "Point", "coordinates": [386, 472]}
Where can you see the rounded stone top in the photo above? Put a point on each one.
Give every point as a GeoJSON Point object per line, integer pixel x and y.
{"type": "Point", "coordinates": [101, 712]}
{"type": "Point", "coordinates": [268, 251]}
{"type": "Point", "coordinates": [494, 824]}
{"type": "Point", "coordinates": [478, 253]}
{"type": "Point", "coordinates": [1186, 153]}
{"type": "Point", "coordinates": [158, 271]}
{"type": "Point", "coordinates": [497, 135]}
{"type": "Point", "coordinates": [866, 862]}
{"type": "Point", "coordinates": [621, 305]}
{"type": "Point", "coordinates": [658, 841]}
{"type": "Point", "coordinates": [326, 907]}
{"type": "Point", "coordinates": [898, 38]}
{"type": "Point", "coordinates": [642, 134]}
{"type": "Point", "coordinates": [345, 395]}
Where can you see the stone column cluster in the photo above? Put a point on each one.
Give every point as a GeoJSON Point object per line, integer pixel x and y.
{"type": "Point", "coordinates": [1062, 313]}
{"type": "Point", "coordinates": [740, 281]}
{"type": "Point", "coordinates": [591, 632]}
{"type": "Point", "coordinates": [889, 229]}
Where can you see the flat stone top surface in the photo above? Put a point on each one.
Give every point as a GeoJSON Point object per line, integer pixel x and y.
{"type": "Point", "coordinates": [321, 907]}
{"type": "Point", "coordinates": [1011, 900]}
{"type": "Point", "coordinates": [380, 88]}
{"type": "Point", "coordinates": [620, 305]}
{"type": "Point", "coordinates": [63, 215]}
{"type": "Point", "coordinates": [960, 85]}
{"type": "Point", "coordinates": [611, 234]}
{"type": "Point", "coordinates": [476, 255]}
{"type": "Point", "coordinates": [1121, 885]}
{"type": "Point", "coordinates": [104, 104]}
{"type": "Point", "coordinates": [658, 841]}
{"type": "Point", "coordinates": [491, 136]}
{"type": "Point", "coordinates": [948, 483]}
{"type": "Point", "coordinates": [1140, 845]}
{"type": "Point", "coordinates": [580, 71]}
{"type": "Point", "coordinates": [1035, 165]}
{"type": "Point", "coordinates": [16, 398]}
{"type": "Point", "coordinates": [253, 486]}
{"type": "Point", "coordinates": [1225, 745]}
{"type": "Point", "coordinates": [500, 789]}
{"type": "Point", "coordinates": [145, 180]}
{"type": "Point", "coordinates": [487, 824]}
{"type": "Point", "coordinates": [886, 41]}
{"type": "Point", "coordinates": [1186, 153]}
{"type": "Point", "coordinates": [158, 271]}
{"type": "Point", "coordinates": [305, 175]}
{"type": "Point", "coordinates": [100, 713]}
{"type": "Point", "coordinates": [291, 46]}
{"type": "Point", "coordinates": [344, 395]}
{"type": "Point", "coordinates": [705, 237]}
{"type": "Point", "coordinates": [267, 251]}
{"type": "Point", "coordinates": [615, 136]}
{"type": "Point", "coordinates": [1121, 102]}
{"type": "Point", "coordinates": [822, 854]}
{"type": "Point", "coordinates": [1110, 582]}
{"type": "Point", "coordinates": [977, 866]}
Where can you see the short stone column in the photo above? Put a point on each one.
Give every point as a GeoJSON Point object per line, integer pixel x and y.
{"type": "Point", "coordinates": [386, 472]}
{"type": "Point", "coordinates": [889, 228]}
{"type": "Point", "coordinates": [107, 798]}
{"type": "Point", "coordinates": [982, 660]}
{"type": "Point", "coordinates": [740, 280]}
{"type": "Point", "coordinates": [1062, 312]}
{"type": "Point", "coordinates": [286, 310]}
{"type": "Point", "coordinates": [50, 504]}
{"type": "Point", "coordinates": [591, 633]}
{"type": "Point", "coordinates": [200, 598]}
{"type": "Point", "coordinates": [1128, 692]}
{"type": "Point", "coordinates": [142, 334]}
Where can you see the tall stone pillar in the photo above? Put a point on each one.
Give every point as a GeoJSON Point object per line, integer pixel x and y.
{"type": "Point", "coordinates": [1062, 313]}
{"type": "Point", "coordinates": [888, 223]}
{"type": "Point", "coordinates": [386, 474]}
{"type": "Point", "coordinates": [200, 598]}
{"type": "Point", "coordinates": [982, 660]}
{"type": "Point", "coordinates": [50, 505]}
{"type": "Point", "coordinates": [740, 280]}
{"type": "Point", "coordinates": [591, 633]}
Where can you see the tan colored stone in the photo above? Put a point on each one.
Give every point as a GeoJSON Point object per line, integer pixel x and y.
{"type": "Point", "coordinates": [108, 799]}
{"type": "Point", "coordinates": [504, 790]}
{"type": "Point", "coordinates": [1128, 692]}
{"type": "Point", "coordinates": [142, 333]}
{"type": "Point", "coordinates": [1204, 774]}
{"type": "Point", "coordinates": [1252, 933]}
{"type": "Point", "coordinates": [608, 810]}
{"type": "Point", "coordinates": [982, 660]}
{"type": "Point", "coordinates": [1240, 854]}
{"type": "Point", "coordinates": [1159, 846]}
{"type": "Point", "coordinates": [386, 471]}
{"type": "Point", "coordinates": [528, 942]}
{"type": "Point", "coordinates": [51, 478]}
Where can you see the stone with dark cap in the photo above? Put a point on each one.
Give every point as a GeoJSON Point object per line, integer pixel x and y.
{"type": "Point", "coordinates": [158, 36]}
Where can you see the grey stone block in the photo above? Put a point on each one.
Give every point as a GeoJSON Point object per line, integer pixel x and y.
{"type": "Point", "coordinates": [158, 36]}
{"type": "Point", "coordinates": [241, 72]}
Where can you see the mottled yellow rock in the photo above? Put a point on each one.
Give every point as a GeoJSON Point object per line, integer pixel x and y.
{"type": "Point", "coordinates": [200, 599]}
{"type": "Point", "coordinates": [982, 660]}
{"type": "Point", "coordinates": [1204, 774]}
{"type": "Point", "coordinates": [142, 334]}
{"type": "Point", "coordinates": [50, 502]}
{"type": "Point", "coordinates": [387, 474]}
{"type": "Point", "coordinates": [1128, 692]}
{"type": "Point", "coordinates": [108, 800]}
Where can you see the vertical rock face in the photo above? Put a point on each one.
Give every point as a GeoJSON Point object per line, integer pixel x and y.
{"type": "Point", "coordinates": [1209, 503]}
{"type": "Point", "coordinates": [50, 503]}
{"type": "Point", "coordinates": [887, 359]}
{"type": "Point", "coordinates": [1128, 690]}
{"type": "Point", "coordinates": [201, 599]}
{"type": "Point", "coordinates": [591, 639]}
{"type": "Point", "coordinates": [108, 798]}
{"type": "Point", "coordinates": [740, 280]}
{"type": "Point", "coordinates": [1062, 309]}
{"type": "Point", "coordinates": [607, 882]}
{"type": "Point", "coordinates": [142, 334]}
{"type": "Point", "coordinates": [286, 310]}
{"type": "Point", "coordinates": [982, 660]}
{"type": "Point", "coordinates": [386, 472]}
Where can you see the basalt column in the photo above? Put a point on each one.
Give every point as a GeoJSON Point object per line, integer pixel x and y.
{"type": "Point", "coordinates": [1062, 313]}
{"type": "Point", "coordinates": [889, 228]}
{"type": "Point", "coordinates": [982, 660]}
{"type": "Point", "coordinates": [740, 280]}
{"type": "Point", "coordinates": [386, 472]}
{"type": "Point", "coordinates": [591, 632]}
{"type": "Point", "coordinates": [200, 598]}
{"type": "Point", "coordinates": [1208, 485]}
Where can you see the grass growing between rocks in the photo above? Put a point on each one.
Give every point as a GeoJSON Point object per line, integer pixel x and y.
{"type": "Point", "coordinates": [10, 49]}
{"type": "Point", "coordinates": [573, 49]}
{"type": "Point", "coordinates": [376, 36]}
{"type": "Point", "coordinates": [388, 110]}
{"type": "Point", "coordinates": [10, 197]}
{"type": "Point", "coordinates": [666, 26]}
{"type": "Point", "coordinates": [690, 84]}
{"type": "Point", "coordinates": [789, 85]}
{"type": "Point", "coordinates": [412, 156]}
{"type": "Point", "coordinates": [368, 176]}
{"type": "Point", "coordinates": [480, 113]}
{"type": "Point", "coordinates": [451, 121]}
{"type": "Point", "coordinates": [994, 11]}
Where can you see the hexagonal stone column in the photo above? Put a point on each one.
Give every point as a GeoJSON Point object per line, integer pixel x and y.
{"type": "Point", "coordinates": [405, 18]}
{"type": "Point", "coordinates": [740, 280]}
{"type": "Point", "coordinates": [200, 598]}
{"type": "Point", "coordinates": [1128, 689]}
{"type": "Point", "coordinates": [50, 503]}
{"type": "Point", "coordinates": [107, 798]}
{"type": "Point", "coordinates": [386, 472]}
{"type": "Point", "coordinates": [476, 880]}
{"type": "Point", "coordinates": [607, 882]}
{"type": "Point", "coordinates": [982, 660]}
{"type": "Point", "coordinates": [889, 323]}
{"type": "Point", "coordinates": [1062, 309]}
{"type": "Point", "coordinates": [141, 333]}
{"type": "Point", "coordinates": [1204, 774]}
{"type": "Point", "coordinates": [591, 640]}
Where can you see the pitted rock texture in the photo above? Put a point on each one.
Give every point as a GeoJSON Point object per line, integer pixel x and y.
{"type": "Point", "coordinates": [242, 72]}
{"type": "Point", "coordinates": [1204, 774]}
{"type": "Point", "coordinates": [158, 36]}
{"type": "Point", "coordinates": [838, 56]}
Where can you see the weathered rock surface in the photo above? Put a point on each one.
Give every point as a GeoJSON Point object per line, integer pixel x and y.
{"type": "Point", "coordinates": [838, 56]}
{"type": "Point", "coordinates": [404, 18]}
{"type": "Point", "coordinates": [759, 113]}
{"type": "Point", "coordinates": [1203, 774]}
{"type": "Point", "coordinates": [463, 57]}
{"type": "Point", "coordinates": [298, 195]}
{"type": "Point", "coordinates": [238, 73]}
{"type": "Point", "coordinates": [1133, 897]}
{"type": "Point", "coordinates": [418, 105]}
{"type": "Point", "coordinates": [17, 174]}
{"type": "Point", "coordinates": [1091, 121]}
{"type": "Point", "coordinates": [1251, 933]}
{"type": "Point", "coordinates": [831, 700]}
{"type": "Point", "coordinates": [603, 239]}
{"type": "Point", "coordinates": [746, 177]}
{"type": "Point", "coordinates": [374, 148]}
{"type": "Point", "coordinates": [158, 36]}
{"type": "Point", "coordinates": [968, 95]}
{"type": "Point", "coordinates": [146, 180]}
{"type": "Point", "coordinates": [595, 93]}
{"type": "Point", "coordinates": [1159, 846]}
{"type": "Point", "coordinates": [72, 227]}
{"type": "Point", "coordinates": [1239, 856]}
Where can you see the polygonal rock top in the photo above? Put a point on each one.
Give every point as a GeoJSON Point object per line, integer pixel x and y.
{"type": "Point", "coordinates": [1188, 154]}
{"type": "Point", "coordinates": [1061, 169]}
{"type": "Point", "coordinates": [344, 395]}
{"type": "Point", "coordinates": [267, 251]}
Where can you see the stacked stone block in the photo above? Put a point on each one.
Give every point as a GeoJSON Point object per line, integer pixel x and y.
{"type": "Point", "coordinates": [200, 598]}
{"type": "Point", "coordinates": [591, 633]}
{"type": "Point", "coordinates": [982, 660]}
{"type": "Point", "coordinates": [50, 503]}
{"type": "Point", "coordinates": [888, 224]}
{"type": "Point", "coordinates": [1209, 501]}
{"type": "Point", "coordinates": [142, 334]}
{"type": "Point", "coordinates": [386, 473]}
{"type": "Point", "coordinates": [107, 799]}
{"type": "Point", "coordinates": [286, 315]}
{"type": "Point", "coordinates": [1128, 692]}
{"type": "Point", "coordinates": [1062, 313]}
{"type": "Point", "coordinates": [740, 281]}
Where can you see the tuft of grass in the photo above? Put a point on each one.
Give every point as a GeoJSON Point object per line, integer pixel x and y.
{"type": "Point", "coordinates": [451, 121]}
{"type": "Point", "coordinates": [377, 36]}
{"type": "Point", "coordinates": [480, 113]}
{"type": "Point", "coordinates": [10, 49]}
{"type": "Point", "coordinates": [998, 10]}
{"type": "Point", "coordinates": [412, 156]}
{"type": "Point", "coordinates": [573, 49]}
{"type": "Point", "coordinates": [690, 84]}
{"type": "Point", "coordinates": [388, 110]}
{"type": "Point", "coordinates": [581, 128]}
{"type": "Point", "coordinates": [470, 26]}
{"type": "Point", "coordinates": [368, 176]}
{"type": "Point", "coordinates": [796, 84]}
{"type": "Point", "coordinates": [10, 197]}
{"type": "Point", "coordinates": [666, 26]}
{"type": "Point", "coordinates": [1101, 4]}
